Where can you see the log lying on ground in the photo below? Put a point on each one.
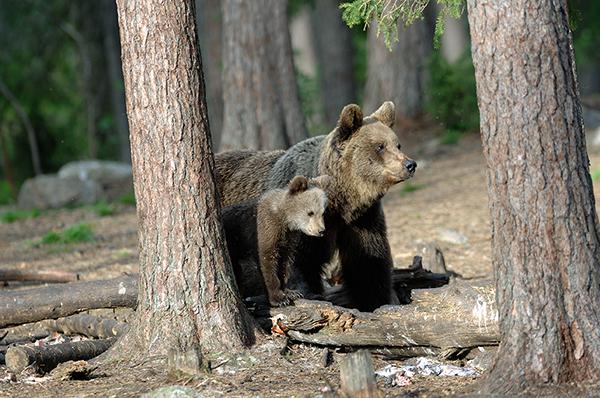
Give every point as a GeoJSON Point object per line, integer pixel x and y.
{"type": "Point", "coordinates": [86, 325]}
{"type": "Point", "coordinates": [51, 302]}
{"type": "Point", "coordinates": [44, 359]}
{"type": "Point", "coordinates": [452, 318]}
{"type": "Point", "coordinates": [51, 276]}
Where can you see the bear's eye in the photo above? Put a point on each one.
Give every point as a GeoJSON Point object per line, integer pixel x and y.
{"type": "Point", "coordinates": [380, 148]}
{"type": "Point", "coordinates": [311, 213]}
{"type": "Point", "coordinates": [399, 146]}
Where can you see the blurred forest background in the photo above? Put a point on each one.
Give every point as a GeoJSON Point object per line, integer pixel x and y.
{"type": "Point", "coordinates": [62, 95]}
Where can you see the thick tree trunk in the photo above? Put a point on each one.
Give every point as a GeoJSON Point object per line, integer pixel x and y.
{"type": "Point", "coordinates": [261, 105]}
{"type": "Point", "coordinates": [399, 75]}
{"type": "Point", "coordinates": [112, 50]}
{"type": "Point", "coordinates": [187, 292]}
{"type": "Point", "coordinates": [210, 33]}
{"type": "Point", "coordinates": [333, 41]}
{"type": "Point", "coordinates": [545, 233]}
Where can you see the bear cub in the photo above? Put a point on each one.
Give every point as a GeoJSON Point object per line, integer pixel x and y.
{"type": "Point", "coordinates": [263, 235]}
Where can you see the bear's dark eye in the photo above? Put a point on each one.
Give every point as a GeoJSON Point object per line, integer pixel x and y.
{"type": "Point", "coordinates": [311, 213]}
{"type": "Point", "coordinates": [399, 146]}
{"type": "Point", "coordinates": [380, 148]}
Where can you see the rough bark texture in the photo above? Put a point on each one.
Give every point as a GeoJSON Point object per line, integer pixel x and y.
{"type": "Point", "coordinates": [398, 75]}
{"type": "Point", "coordinates": [357, 376]}
{"type": "Point", "coordinates": [545, 234]}
{"type": "Point", "coordinates": [261, 105]}
{"type": "Point", "coordinates": [333, 40]}
{"type": "Point", "coordinates": [112, 51]}
{"type": "Point", "coordinates": [187, 292]}
{"type": "Point", "coordinates": [210, 28]}
{"type": "Point", "coordinates": [55, 301]}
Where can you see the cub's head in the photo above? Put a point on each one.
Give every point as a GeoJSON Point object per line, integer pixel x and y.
{"type": "Point", "coordinates": [305, 204]}
{"type": "Point", "coordinates": [369, 150]}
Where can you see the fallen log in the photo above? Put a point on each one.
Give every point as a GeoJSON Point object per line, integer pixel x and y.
{"type": "Point", "coordinates": [357, 377]}
{"type": "Point", "coordinates": [56, 301]}
{"type": "Point", "coordinates": [26, 275]}
{"type": "Point", "coordinates": [86, 325]}
{"type": "Point", "coordinates": [448, 319]}
{"type": "Point", "coordinates": [44, 359]}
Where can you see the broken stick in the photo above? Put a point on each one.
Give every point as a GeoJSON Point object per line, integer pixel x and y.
{"type": "Point", "coordinates": [55, 301]}
{"type": "Point", "coordinates": [44, 359]}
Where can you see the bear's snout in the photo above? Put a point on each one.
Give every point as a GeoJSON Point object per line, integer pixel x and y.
{"type": "Point", "coordinates": [410, 165]}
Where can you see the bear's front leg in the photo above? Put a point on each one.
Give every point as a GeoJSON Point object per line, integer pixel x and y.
{"type": "Point", "coordinates": [366, 261]}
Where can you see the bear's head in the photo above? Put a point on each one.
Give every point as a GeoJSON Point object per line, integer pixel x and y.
{"type": "Point", "coordinates": [305, 205]}
{"type": "Point", "coordinates": [365, 154]}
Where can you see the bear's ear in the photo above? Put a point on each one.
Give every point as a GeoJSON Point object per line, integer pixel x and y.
{"type": "Point", "coordinates": [351, 119]}
{"type": "Point", "coordinates": [386, 113]}
{"type": "Point", "coordinates": [298, 184]}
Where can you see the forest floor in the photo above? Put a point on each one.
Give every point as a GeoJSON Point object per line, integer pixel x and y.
{"type": "Point", "coordinates": [445, 204]}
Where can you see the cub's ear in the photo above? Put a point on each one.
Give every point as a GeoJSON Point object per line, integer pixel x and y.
{"type": "Point", "coordinates": [322, 182]}
{"type": "Point", "coordinates": [351, 119]}
{"type": "Point", "coordinates": [386, 113]}
{"type": "Point", "coordinates": [298, 184]}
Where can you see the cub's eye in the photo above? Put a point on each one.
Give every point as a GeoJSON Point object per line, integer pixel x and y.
{"type": "Point", "coordinates": [399, 146]}
{"type": "Point", "coordinates": [380, 148]}
{"type": "Point", "coordinates": [311, 213]}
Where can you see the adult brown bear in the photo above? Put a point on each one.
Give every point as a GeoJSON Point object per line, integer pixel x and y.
{"type": "Point", "coordinates": [363, 157]}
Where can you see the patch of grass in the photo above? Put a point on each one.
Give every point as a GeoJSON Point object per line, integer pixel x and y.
{"type": "Point", "coordinates": [5, 193]}
{"type": "Point", "coordinates": [409, 187]}
{"type": "Point", "coordinates": [15, 215]}
{"type": "Point", "coordinates": [103, 209]}
{"type": "Point", "coordinates": [451, 137]}
{"type": "Point", "coordinates": [596, 174]}
{"type": "Point", "coordinates": [74, 234]}
{"type": "Point", "coordinates": [128, 199]}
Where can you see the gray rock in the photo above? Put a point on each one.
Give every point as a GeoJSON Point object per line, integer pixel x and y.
{"type": "Point", "coordinates": [173, 392]}
{"type": "Point", "coordinates": [115, 178]}
{"type": "Point", "coordinates": [50, 192]}
{"type": "Point", "coordinates": [452, 236]}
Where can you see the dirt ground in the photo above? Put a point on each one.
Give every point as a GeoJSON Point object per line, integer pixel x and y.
{"type": "Point", "coordinates": [445, 204]}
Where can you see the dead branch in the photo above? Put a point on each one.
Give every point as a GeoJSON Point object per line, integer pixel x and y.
{"type": "Point", "coordinates": [23, 275]}
{"type": "Point", "coordinates": [55, 301]}
{"type": "Point", "coordinates": [44, 359]}
{"type": "Point", "coordinates": [86, 325]}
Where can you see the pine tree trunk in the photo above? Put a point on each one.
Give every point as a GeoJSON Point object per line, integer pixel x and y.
{"type": "Point", "coordinates": [187, 292]}
{"type": "Point", "coordinates": [261, 105]}
{"type": "Point", "coordinates": [399, 75]}
{"type": "Point", "coordinates": [210, 27]}
{"type": "Point", "coordinates": [333, 41]}
{"type": "Point", "coordinates": [545, 233]}
{"type": "Point", "coordinates": [112, 50]}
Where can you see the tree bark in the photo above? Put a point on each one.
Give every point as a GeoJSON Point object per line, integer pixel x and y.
{"type": "Point", "coordinates": [399, 75]}
{"type": "Point", "coordinates": [112, 50]}
{"type": "Point", "coordinates": [210, 33]}
{"type": "Point", "coordinates": [333, 40]}
{"type": "Point", "coordinates": [261, 104]}
{"type": "Point", "coordinates": [545, 233]}
{"type": "Point", "coordinates": [187, 292]}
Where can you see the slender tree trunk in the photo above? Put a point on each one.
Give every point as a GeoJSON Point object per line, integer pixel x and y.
{"type": "Point", "coordinates": [545, 233]}
{"type": "Point", "coordinates": [112, 51]}
{"type": "Point", "coordinates": [261, 105]}
{"type": "Point", "coordinates": [333, 41]}
{"type": "Point", "coordinates": [187, 292]}
{"type": "Point", "coordinates": [33, 146]}
{"type": "Point", "coordinates": [399, 75]}
{"type": "Point", "coordinates": [210, 28]}
{"type": "Point", "coordinates": [7, 166]}
{"type": "Point", "coordinates": [455, 39]}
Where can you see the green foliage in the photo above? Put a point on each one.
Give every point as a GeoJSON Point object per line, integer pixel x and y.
{"type": "Point", "coordinates": [451, 93]}
{"type": "Point", "coordinates": [5, 193]}
{"type": "Point", "coordinates": [15, 215]}
{"type": "Point", "coordinates": [451, 137]}
{"type": "Point", "coordinates": [387, 13]}
{"type": "Point", "coordinates": [77, 233]}
{"type": "Point", "coordinates": [128, 199]}
{"type": "Point", "coordinates": [409, 187]}
{"type": "Point", "coordinates": [596, 174]}
{"type": "Point", "coordinates": [103, 209]}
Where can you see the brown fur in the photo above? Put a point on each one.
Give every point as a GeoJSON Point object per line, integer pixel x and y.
{"type": "Point", "coordinates": [364, 160]}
